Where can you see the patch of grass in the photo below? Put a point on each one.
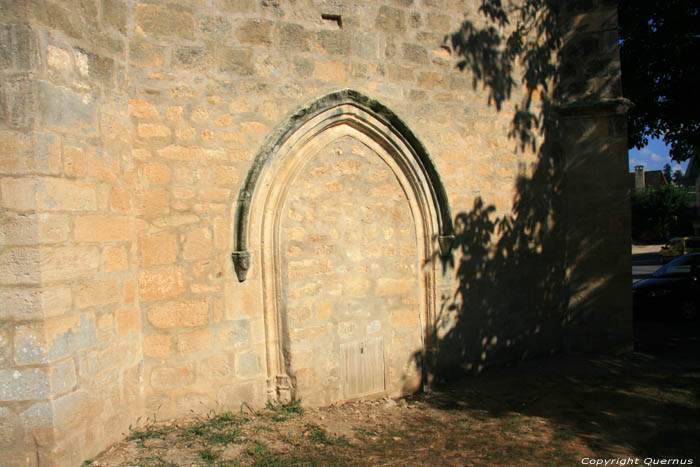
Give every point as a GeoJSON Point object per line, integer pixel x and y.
{"type": "Point", "coordinates": [365, 431]}
{"type": "Point", "coordinates": [226, 418]}
{"type": "Point", "coordinates": [149, 431]}
{"type": "Point", "coordinates": [262, 457]}
{"type": "Point", "coordinates": [282, 411]}
{"type": "Point", "coordinates": [208, 455]}
{"type": "Point", "coordinates": [224, 437]}
{"type": "Point", "coordinates": [511, 422]}
{"type": "Point", "coordinates": [319, 435]}
{"type": "Point", "coordinates": [223, 428]}
{"type": "Point", "coordinates": [212, 434]}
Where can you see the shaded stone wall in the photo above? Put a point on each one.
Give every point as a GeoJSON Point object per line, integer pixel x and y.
{"type": "Point", "coordinates": [593, 127]}
{"type": "Point", "coordinates": [127, 129]}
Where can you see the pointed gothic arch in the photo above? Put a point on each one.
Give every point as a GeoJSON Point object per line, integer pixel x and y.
{"type": "Point", "coordinates": [260, 201]}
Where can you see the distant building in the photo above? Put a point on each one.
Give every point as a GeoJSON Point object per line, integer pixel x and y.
{"type": "Point", "coordinates": [640, 179]}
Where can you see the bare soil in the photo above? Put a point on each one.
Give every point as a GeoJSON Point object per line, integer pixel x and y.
{"type": "Point", "coordinates": [644, 405]}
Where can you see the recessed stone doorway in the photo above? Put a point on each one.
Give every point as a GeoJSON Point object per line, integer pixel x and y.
{"type": "Point", "coordinates": [350, 287]}
{"type": "Point", "coordinates": [346, 217]}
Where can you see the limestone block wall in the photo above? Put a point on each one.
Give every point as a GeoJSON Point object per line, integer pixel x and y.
{"type": "Point", "coordinates": [70, 323]}
{"type": "Point", "coordinates": [349, 273]}
{"type": "Point", "coordinates": [128, 131]}
{"type": "Point", "coordinates": [209, 82]}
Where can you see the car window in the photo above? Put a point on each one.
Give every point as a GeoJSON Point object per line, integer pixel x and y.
{"type": "Point", "coordinates": [678, 267]}
{"type": "Point", "coordinates": [673, 243]}
{"type": "Point", "coordinates": [692, 243]}
{"type": "Point", "coordinates": [678, 270]}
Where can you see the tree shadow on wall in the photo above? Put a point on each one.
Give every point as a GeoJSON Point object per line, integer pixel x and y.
{"type": "Point", "coordinates": [541, 279]}
{"type": "Point", "coordinates": [523, 278]}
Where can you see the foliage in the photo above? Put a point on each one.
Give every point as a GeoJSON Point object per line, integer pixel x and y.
{"type": "Point", "coordinates": [658, 211]}
{"type": "Point", "coordinates": [209, 456]}
{"type": "Point", "coordinates": [222, 428]}
{"type": "Point", "coordinates": [659, 73]}
{"type": "Point", "coordinates": [282, 411]}
{"type": "Point", "coordinates": [678, 178]}
{"type": "Point", "coordinates": [150, 430]}
{"type": "Point", "coordinates": [667, 171]}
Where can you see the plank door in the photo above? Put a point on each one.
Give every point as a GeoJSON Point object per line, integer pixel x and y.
{"type": "Point", "coordinates": [362, 367]}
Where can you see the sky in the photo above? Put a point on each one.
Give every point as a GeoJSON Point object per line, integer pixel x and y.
{"type": "Point", "coordinates": [653, 157]}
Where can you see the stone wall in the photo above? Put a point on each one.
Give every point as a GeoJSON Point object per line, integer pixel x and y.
{"type": "Point", "coordinates": [70, 318]}
{"type": "Point", "coordinates": [127, 131]}
{"type": "Point", "coordinates": [71, 346]}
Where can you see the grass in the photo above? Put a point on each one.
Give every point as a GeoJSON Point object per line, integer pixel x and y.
{"type": "Point", "coordinates": [208, 455]}
{"type": "Point", "coordinates": [221, 428]}
{"type": "Point", "coordinates": [283, 411]}
{"type": "Point", "coordinates": [150, 430]}
{"type": "Point", "coordinates": [262, 457]}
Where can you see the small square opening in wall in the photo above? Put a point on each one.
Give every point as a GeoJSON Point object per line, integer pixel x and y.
{"type": "Point", "coordinates": [330, 18]}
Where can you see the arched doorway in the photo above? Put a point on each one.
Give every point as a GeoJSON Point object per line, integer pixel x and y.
{"type": "Point", "coordinates": [347, 214]}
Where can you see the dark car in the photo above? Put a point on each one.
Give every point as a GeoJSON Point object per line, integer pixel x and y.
{"type": "Point", "coordinates": [672, 292]}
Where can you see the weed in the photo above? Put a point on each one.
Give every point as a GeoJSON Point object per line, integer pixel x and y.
{"type": "Point", "coordinates": [282, 411]}
{"type": "Point", "coordinates": [224, 437]}
{"type": "Point", "coordinates": [148, 431]}
{"type": "Point", "coordinates": [212, 434]}
{"type": "Point", "coordinates": [221, 428]}
{"type": "Point", "coordinates": [262, 456]}
{"type": "Point", "coordinates": [318, 434]}
{"type": "Point", "coordinates": [225, 418]}
{"type": "Point", "coordinates": [209, 456]}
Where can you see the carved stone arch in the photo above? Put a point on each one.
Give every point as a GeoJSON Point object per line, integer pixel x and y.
{"type": "Point", "coordinates": [261, 199]}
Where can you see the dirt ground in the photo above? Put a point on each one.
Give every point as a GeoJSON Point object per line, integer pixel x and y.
{"type": "Point", "coordinates": [565, 410]}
